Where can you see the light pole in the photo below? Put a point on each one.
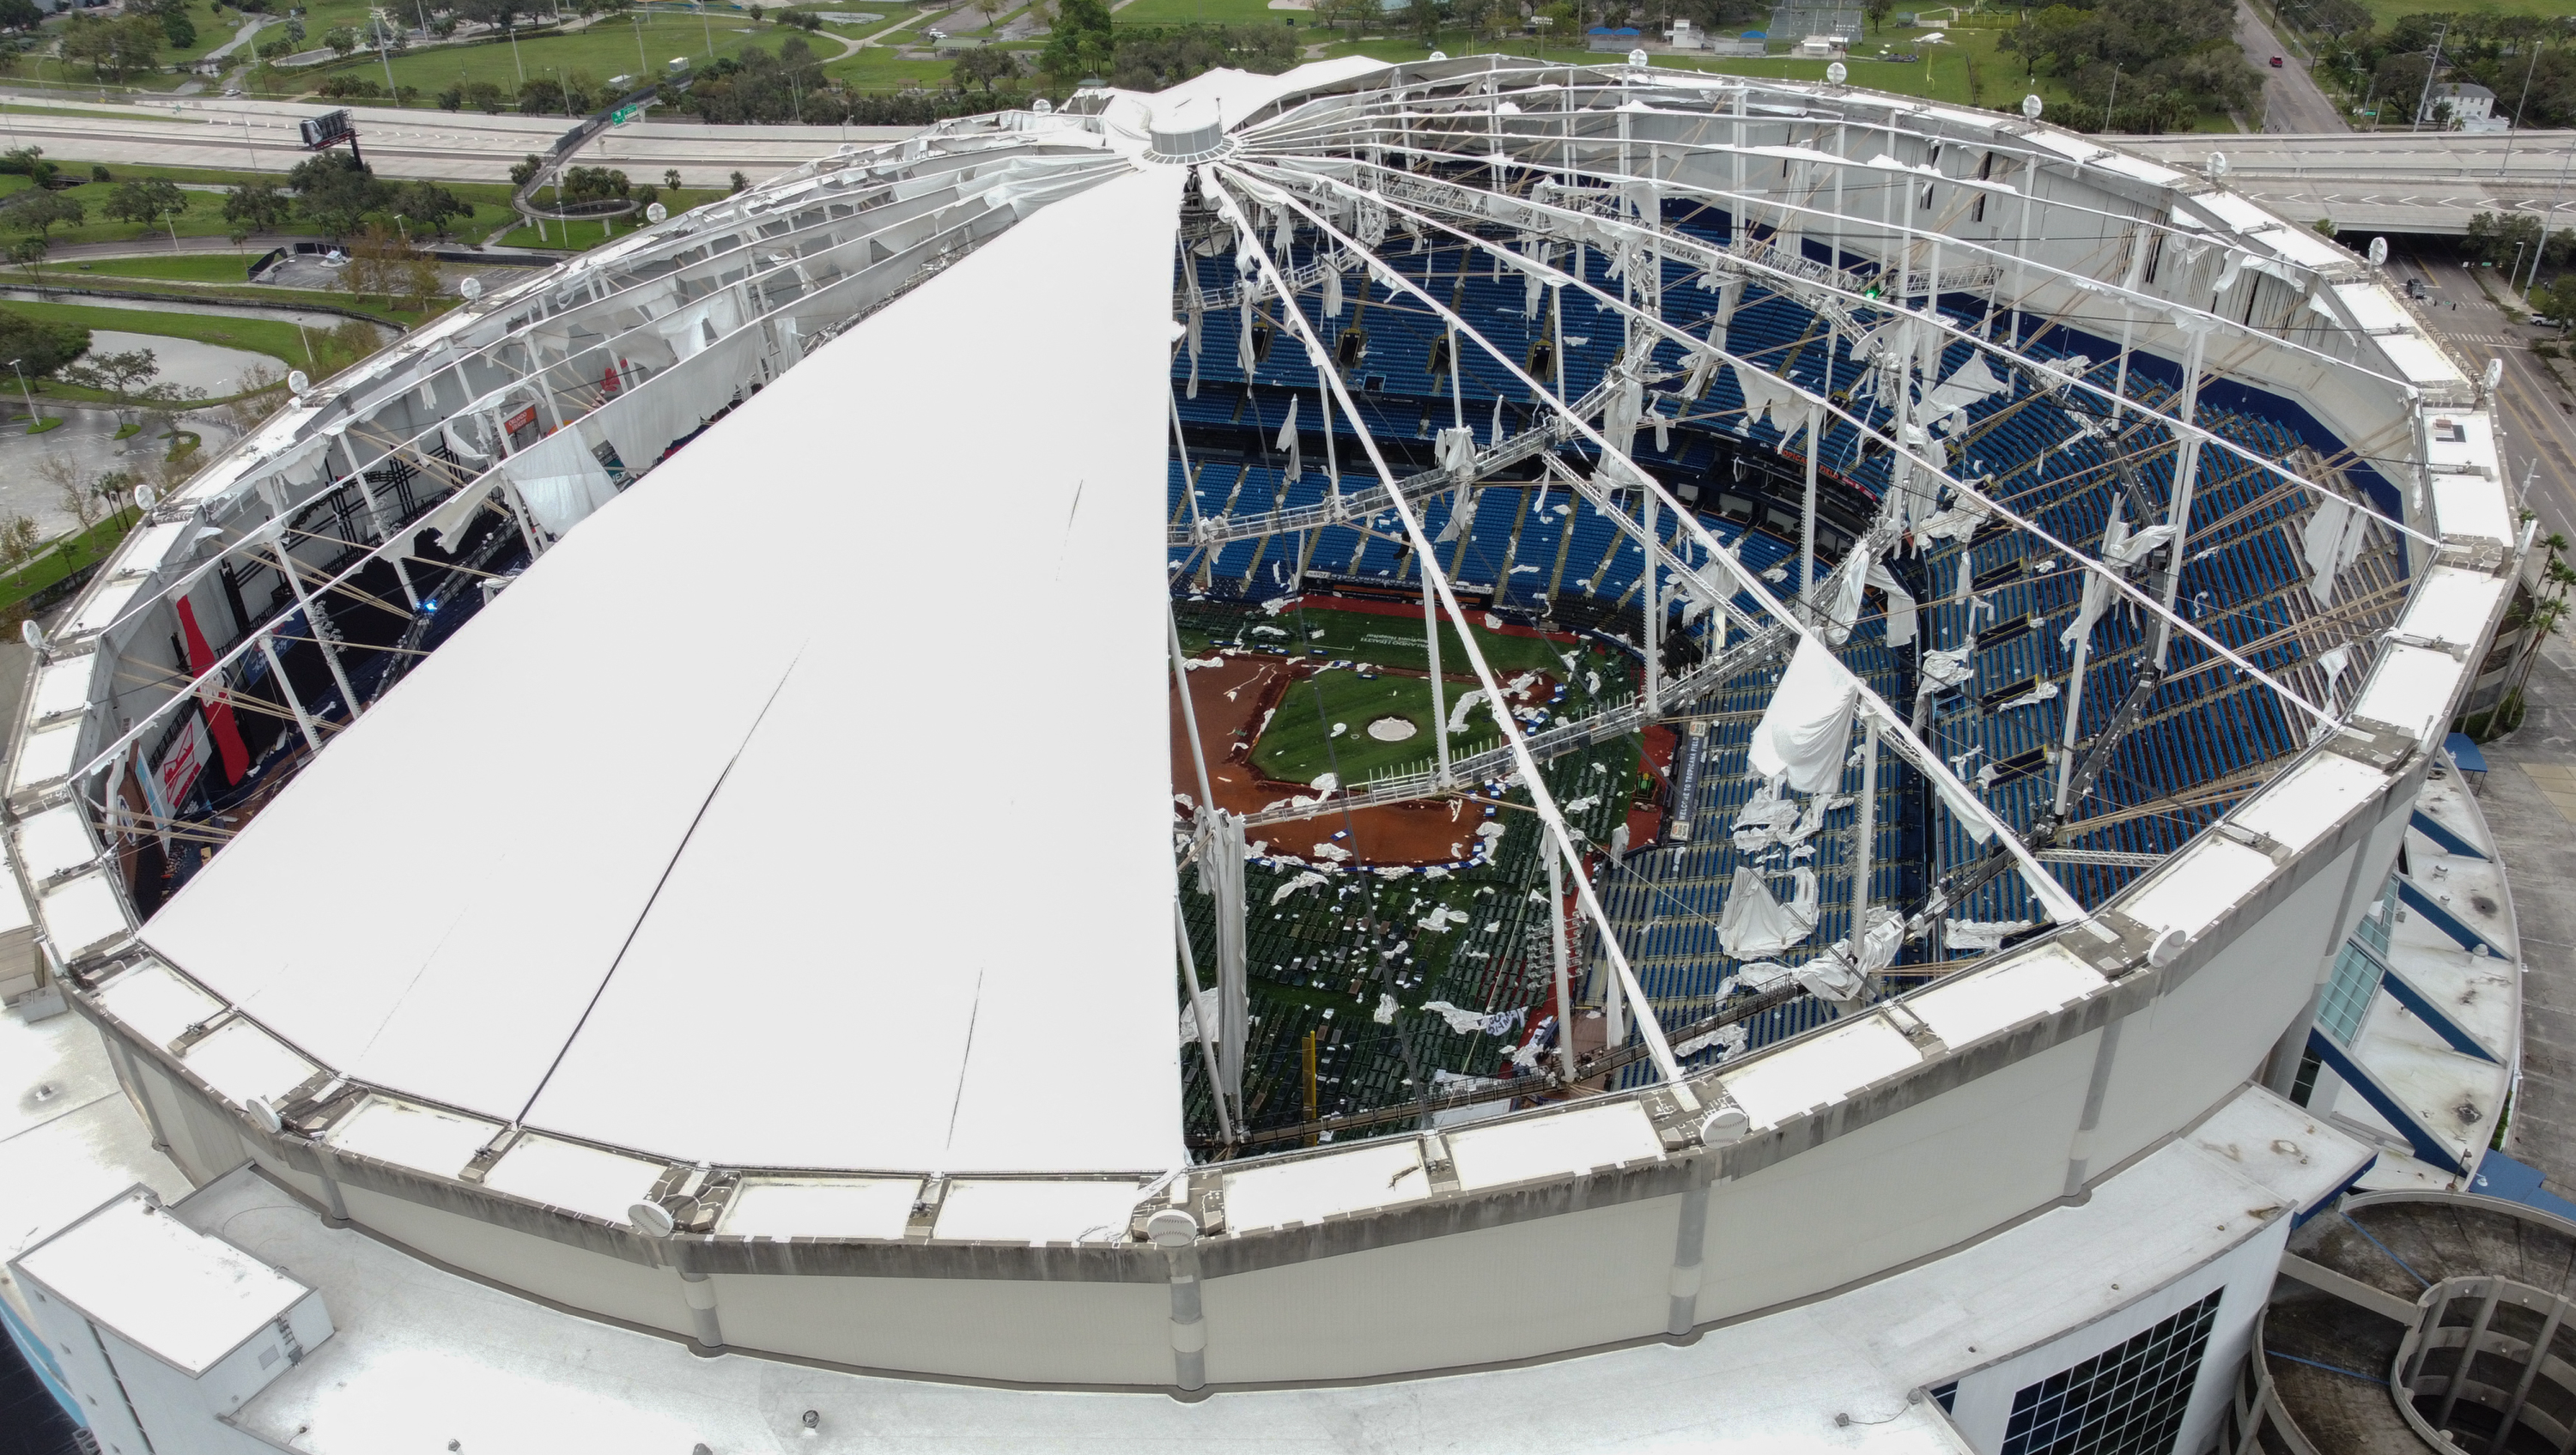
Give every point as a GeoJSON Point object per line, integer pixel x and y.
{"type": "Point", "coordinates": [2109, 105]}
{"type": "Point", "coordinates": [2517, 117]}
{"type": "Point", "coordinates": [23, 394]}
{"type": "Point", "coordinates": [514, 58]}
{"type": "Point", "coordinates": [706, 25]}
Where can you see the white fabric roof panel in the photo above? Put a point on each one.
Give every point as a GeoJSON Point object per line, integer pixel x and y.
{"type": "Point", "coordinates": [702, 882]}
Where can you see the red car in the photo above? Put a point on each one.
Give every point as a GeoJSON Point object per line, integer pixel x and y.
{"type": "Point", "coordinates": [2276, 63]}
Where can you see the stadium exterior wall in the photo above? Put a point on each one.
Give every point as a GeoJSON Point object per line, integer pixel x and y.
{"type": "Point", "coordinates": [1980, 1136]}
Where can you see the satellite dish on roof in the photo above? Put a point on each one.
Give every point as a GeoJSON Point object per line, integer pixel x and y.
{"type": "Point", "coordinates": [297, 382]}
{"type": "Point", "coordinates": [2494, 374]}
{"type": "Point", "coordinates": [1637, 57]}
{"type": "Point", "coordinates": [32, 634]}
{"type": "Point", "coordinates": [655, 212]}
{"type": "Point", "coordinates": [2217, 165]}
{"type": "Point", "coordinates": [264, 1114]}
{"type": "Point", "coordinates": [2030, 107]}
{"type": "Point", "coordinates": [1439, 55]}
{"type": "Point", "coordinates": [1172, 1228]}
{"type": "Point", "coordinates": [1726, 1124]}
{"type": "Point", "coordinates": [651, 1219]}
{"type": "Point", "coordinates": [143, 497]}
{"type": "Point", "coordinates": [1837, 73]}
{"type": "Point", "coordinates": [2379, 252]}
{"type": "Point", "coordinates": [470, 289]}
{"type": "Point", "coordinates": [1042, 106]}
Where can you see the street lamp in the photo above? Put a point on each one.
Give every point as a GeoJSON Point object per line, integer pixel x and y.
{"type": "Point", "coordinates": [23, 394]}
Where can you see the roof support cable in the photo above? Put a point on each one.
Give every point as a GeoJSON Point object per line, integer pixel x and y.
{"type": "Point", "coordinates": [1436, 583]}
{"type": "Point", "coordinates": [1846, 296]}
{"type": "Point", "coordinates": [2061, 905]}
{"type": "Point", "coordinates": [1963, 490]}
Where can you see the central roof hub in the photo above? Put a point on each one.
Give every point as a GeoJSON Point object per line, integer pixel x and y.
{"type": "Point", "coordinates": [1192, 131]}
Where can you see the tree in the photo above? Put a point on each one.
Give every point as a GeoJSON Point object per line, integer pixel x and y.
{"type": "Point", "coordinates": [72, 489]}
{"type": "Point", "coordinates": [336, 192]}
{"type": "Point", "coordinates": [120, 376]}
{"type": "Point", "coordinates": [2557, 302]}
{"type": "Point", "coordinates": [144, 200]}
{"type": "Point", "coordinates": [19, 15]}
{"type": "Point", "coordinates": [27, 255]}
{"type": "Point", "coordinates": [984, 64]}
{"type": "Point", "coordinates": [39, 211]}
{"type": "Point", "coordinates": [428, 207]}
{"type": "Point", "coordinates": [740, 182]}
{"type": "Point", "coordinates": [1081, 45]}
{"type": "Point", "coordinates": [27, 162]}
{"type": "Point", "coordinates": [113, 49]}
{"type": "Point", "coordinates": [20, 543]}
{"type": "Point", "coordinates": [376, 257]}
{"type": "Point", "coordinates": [41, 348]}
{"type": "Point", "coordinates": [671, 178]}
{"type": "Point", "coordinates": [257, 206]}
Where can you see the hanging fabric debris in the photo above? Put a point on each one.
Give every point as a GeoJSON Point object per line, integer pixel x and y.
{"type": "Point", "coordinates": [1900, 604]}
{"type": "Point", "coordinates": [1976, 937]}
{"type": "Point", "coordinates": [1288, 439]}
{"type": "Point", "coordinates": [1195, 323]}
{"type": "Point", "coordinates": [2329, 541]}
{"type": "Point", "coordinates": [1221, 856]}
{"type": "Point", "coordinates": [1806, 728]}
{"type": "Point", "coordinates": [1333, 292]}
{"type": "Point", "coordinates": [1755, 923]}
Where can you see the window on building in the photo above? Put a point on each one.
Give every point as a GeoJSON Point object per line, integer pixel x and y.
{"type": "Point", "coordinates": [2347, 996]}
{"type": "Point", "coordinates": [2303, 1087]}
{"type": "Point", "coordinates": [2129, 1400]}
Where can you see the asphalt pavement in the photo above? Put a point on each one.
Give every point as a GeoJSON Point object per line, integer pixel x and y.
{"type": "Point", "coordinates": [2291, 100]}
{"type": "Point", "coordinates": [2539, 414]}
{"type": "Point", "coordinates": [236, 133]}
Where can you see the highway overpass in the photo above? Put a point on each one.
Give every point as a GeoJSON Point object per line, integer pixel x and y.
{"type": "Point", "coordinates": [2425, 183]}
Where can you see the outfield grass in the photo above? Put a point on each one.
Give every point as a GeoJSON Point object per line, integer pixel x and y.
{"type": "Point", "coordinates": [1300, 744]}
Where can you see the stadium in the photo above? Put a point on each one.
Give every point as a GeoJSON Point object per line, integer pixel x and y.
{"type": "Point", "coordinates": [1382, 722]}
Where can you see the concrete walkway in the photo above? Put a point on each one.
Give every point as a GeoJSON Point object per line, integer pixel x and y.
{"type": "Point", "coordinates": [2530, 804]}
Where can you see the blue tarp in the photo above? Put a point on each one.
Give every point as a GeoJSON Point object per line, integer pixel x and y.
{"type": "Point", "coordinates": [2502, 1176]}
{"type": "Point", "coordinates": [2465, 753]}
{"type": "Point", "coordinates": [1605, 30]}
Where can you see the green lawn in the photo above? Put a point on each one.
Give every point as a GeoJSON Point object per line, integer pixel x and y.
{"type": "Point", "coordinates": [21, 108]}
{"type": "Point", "coordinates": [62, 556]}
{"type": "Point", "coordinates": [183, 268]}
{"type": "Point", "coordinates": [276, 338]}
{"type": "Point", "coordinates": [1210, 12]}
{"type": "Point", "coordinates": [878, 68]}
{"type": "Point", "coordinates": [1300, 745]}
{"type": "Point", "coordinates": [636, 44]}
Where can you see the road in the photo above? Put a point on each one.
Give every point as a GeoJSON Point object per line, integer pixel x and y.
{"type": "Point", "coordinates": [2426, 183]}
{"type": "Point", "coordinates": [2539, 415]}
{"type": "Point", "coordinates": [234, 133]}
{"type": "Point", "coordinates": [2291, 100]}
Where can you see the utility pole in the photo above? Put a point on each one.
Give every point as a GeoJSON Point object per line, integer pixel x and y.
{"type": "Point", "coordinates": [2431, 73]}
{"type": "Point", "coordinates": [2114, 101]}
{"type": "Point", "coordinates": [2517, 119]}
